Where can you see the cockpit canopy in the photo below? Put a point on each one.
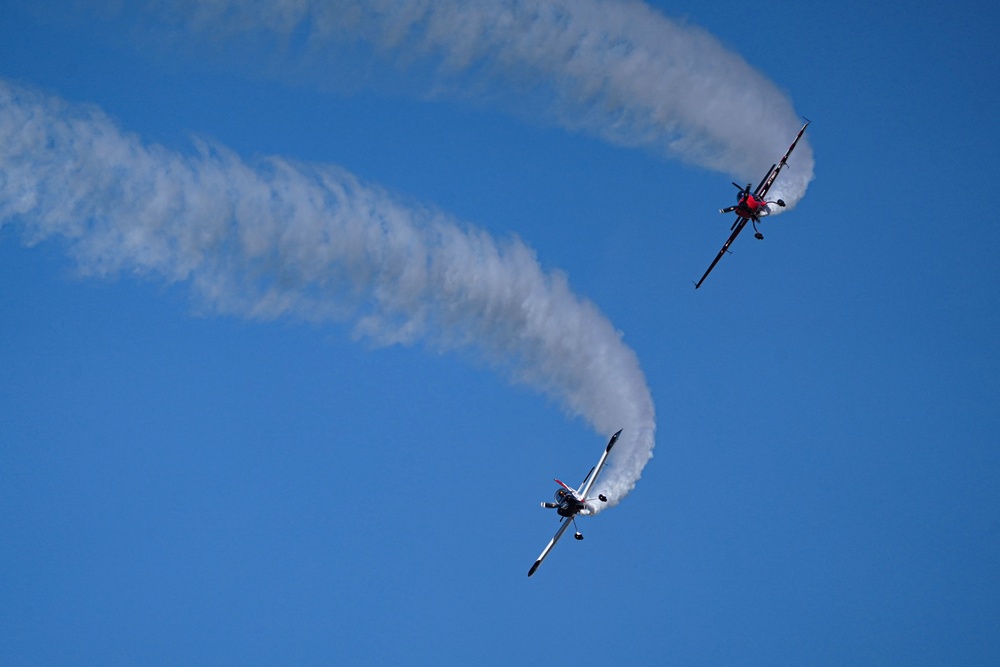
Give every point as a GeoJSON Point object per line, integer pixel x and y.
{"type": "Point", "coordinates": [562, 495]}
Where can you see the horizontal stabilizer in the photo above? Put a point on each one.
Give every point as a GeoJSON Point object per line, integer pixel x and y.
{"type": "Point", "coordinates": [761, 190]}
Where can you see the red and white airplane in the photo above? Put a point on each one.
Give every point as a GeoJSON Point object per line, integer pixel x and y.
{"type": "Point", "coordinates": [572, 502]}
{"type": "Point", "coordinates": [751, 205]}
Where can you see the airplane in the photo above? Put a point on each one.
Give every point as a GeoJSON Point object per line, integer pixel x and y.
{"type": "Point", "coordinates": [572, 502]}
{"type": "Point", "coordinates": [750, 206]}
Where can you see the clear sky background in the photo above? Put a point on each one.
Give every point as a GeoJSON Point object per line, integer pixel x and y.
{"type": "Point", "coordinates": [180, 487]}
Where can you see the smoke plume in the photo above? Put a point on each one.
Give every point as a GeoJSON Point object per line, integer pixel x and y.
{"type": "Point", "coordinates": [616, 69]}
{"type": "Point", "coordinates": [276, 238]}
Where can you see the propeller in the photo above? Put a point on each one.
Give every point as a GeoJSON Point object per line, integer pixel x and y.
{"type": "Point", "coordinates": [744, 192]}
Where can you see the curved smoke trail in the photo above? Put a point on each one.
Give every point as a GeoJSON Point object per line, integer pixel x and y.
{"type": "Point", "coordinates": [613, 68]}
{"type": "Point", "coordinates": [277, 238]}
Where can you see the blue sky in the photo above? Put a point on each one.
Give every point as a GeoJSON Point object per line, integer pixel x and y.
{"type": "Point", "coordinates": [183, 486]}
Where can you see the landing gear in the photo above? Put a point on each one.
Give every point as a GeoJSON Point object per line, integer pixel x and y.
{"type": "Point", "coordinates": [603, 498]}
{"type": "Point", "coordinates": [759, 236]}
{"type": "Point", "coordinates": [578, 535]}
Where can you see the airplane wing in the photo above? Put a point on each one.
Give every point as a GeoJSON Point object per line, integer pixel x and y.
{"type": "Point", "coordinates": [768, 181]}
{"type": "Point", "coordinates": [548, 548]}
{"type": "Point", "coordinates": [737, 228]}
{"type": "Point", "coordinates": [597, 469]}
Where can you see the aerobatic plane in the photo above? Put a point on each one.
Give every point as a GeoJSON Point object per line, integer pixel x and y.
{"type": "Point", "coordinates": [572, 502]}
{"type": "Point", "coordinates": [750, 206]}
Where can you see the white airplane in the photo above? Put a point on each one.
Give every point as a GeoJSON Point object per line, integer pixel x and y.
{"type": "Point", "coordinates": [569, 502]}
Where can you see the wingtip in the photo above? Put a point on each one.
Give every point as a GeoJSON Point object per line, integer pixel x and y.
{"type": "Point", "coordinates": [613, 440]}
{"type": "Point", "coordinates": [534, 567]}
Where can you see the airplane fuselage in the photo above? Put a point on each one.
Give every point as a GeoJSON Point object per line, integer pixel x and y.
{"type": "Point", "coordinates": [567, 505]}
{"type": "Point", "coordinates": [750, 207]}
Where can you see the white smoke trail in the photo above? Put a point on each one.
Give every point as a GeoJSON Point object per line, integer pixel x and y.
{"type": "Point", "coordinates": [614, 68]}
{"type": "Point", "coordinates": [309, 241]}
